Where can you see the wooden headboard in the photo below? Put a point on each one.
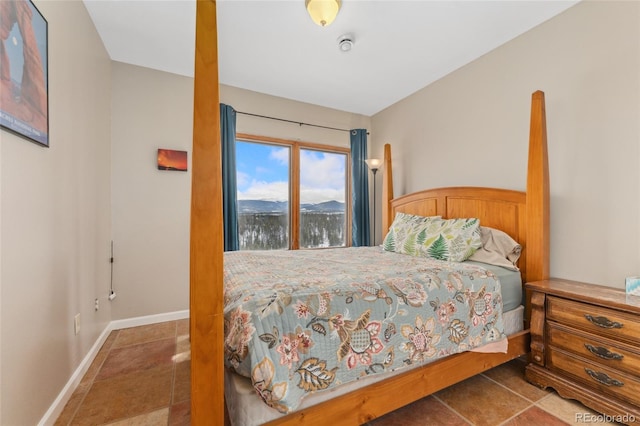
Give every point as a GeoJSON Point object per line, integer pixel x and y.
{"type": "Point", "coordinates": [522, 215]}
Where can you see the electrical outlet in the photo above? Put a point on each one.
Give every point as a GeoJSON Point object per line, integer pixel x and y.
{"type": "Point", "coordinates": [76, 324]}
{"type": "Point", "coordinates": [97, 304]}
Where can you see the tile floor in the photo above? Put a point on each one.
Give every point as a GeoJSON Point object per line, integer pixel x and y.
{"type": "Point", "coordinates": [141, 377]}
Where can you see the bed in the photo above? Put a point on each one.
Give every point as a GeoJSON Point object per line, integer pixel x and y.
{"type": "Point", "coordinates": [344, 324]}
{"type": "Point", "coordinates": [524, 216]}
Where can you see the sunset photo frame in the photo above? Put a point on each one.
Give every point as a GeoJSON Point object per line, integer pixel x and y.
{"type": "Point", "coordinates": [169, 159]}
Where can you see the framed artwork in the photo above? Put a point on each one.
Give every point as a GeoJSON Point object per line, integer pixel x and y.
{"type": "Point", "coordinates": [169, 159]}
{"type": "Point", "coordinates": [24, 97]}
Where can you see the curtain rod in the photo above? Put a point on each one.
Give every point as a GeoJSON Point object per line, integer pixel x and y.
{"type": "Point", "coordinates": [294, 122]}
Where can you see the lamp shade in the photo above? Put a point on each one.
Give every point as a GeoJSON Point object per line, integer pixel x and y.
{"type": "Point", "coordinates": [374, 163]}
{"type": "Point", "coordinates": [323, 12]}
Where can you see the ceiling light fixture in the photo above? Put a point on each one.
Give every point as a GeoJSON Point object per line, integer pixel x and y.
{"type": "Point", "coordinates": [323, 12]}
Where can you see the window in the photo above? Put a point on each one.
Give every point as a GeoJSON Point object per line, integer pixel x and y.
{"type": "Point", "coordinates": [263, 195]}
{"type": "Point", "coordinates": [291, 194]}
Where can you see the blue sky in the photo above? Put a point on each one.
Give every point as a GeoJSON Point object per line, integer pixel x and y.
{"type": "Point", "coordinates": [263, 173]}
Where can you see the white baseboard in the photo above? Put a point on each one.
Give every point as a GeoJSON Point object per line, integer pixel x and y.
{"type": "Point", "coordinates": [149, 319]}
{"type": "Point", "coordinates": [56, 408]}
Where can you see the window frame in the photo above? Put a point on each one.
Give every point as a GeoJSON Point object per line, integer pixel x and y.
{"type": "Point", "coordinates": [294, 181]}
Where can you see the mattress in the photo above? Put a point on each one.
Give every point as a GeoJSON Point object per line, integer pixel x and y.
{"type": "Point", "coordinates": [306, 321]}
{"type": "Point", "coordinates": [247, 409]}
{"type": "Point", "coordinates": [511, 285]}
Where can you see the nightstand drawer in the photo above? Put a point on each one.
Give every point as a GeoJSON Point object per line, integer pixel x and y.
{"type": "Point", "coordinates": [596, 349]}
{"type": "Point", "coordinates": [585, 343]}
{"type": "Point", "coordinates": [598, 377]}
{"type": "Point", "coordinates": [596, 319]}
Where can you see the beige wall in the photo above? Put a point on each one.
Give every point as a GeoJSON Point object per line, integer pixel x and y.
{"type": "Point", "coordinates": [108, 119]}
{"type": "Point", "coordinates": [261, 104]}
{"type": "Point", "coordinates": [151, 110]}
{"type": "Point", "coordinates": [55, 230]}
{"type": "Point", "coordinates": [472, 127]}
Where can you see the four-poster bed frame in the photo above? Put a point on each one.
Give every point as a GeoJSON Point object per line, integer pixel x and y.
{"type": "Point", "coordinates": [523, 215]}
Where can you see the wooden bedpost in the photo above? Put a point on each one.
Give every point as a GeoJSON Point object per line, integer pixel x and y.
{"type": "Point", "coordinates": [538, 193]}
{"type": "Point", "coordinates": [537, 244]}
{"type": "Point", "coordinates": [387, 191]}
{"type": "Point", "coordinates": [206, 261]}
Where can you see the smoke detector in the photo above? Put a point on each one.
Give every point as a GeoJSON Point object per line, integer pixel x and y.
{"type": "Point", "coordinates": [345, 42]}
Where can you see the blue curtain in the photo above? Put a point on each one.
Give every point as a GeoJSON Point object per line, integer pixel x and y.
{"type": "Point", "coordinates": [360, 192]}
{"type": "Point", "coordinates": [229, 185]}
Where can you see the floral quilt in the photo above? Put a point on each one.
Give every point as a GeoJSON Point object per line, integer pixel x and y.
{"type": "Point", "coordinates": [303, 321]}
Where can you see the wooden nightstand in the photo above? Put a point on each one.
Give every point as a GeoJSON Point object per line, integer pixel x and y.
{"type": "Point", "coordinates": [585, 343]}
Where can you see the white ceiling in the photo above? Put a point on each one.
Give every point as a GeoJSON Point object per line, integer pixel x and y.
{"type": "Point", "coordinates": [273, 47]}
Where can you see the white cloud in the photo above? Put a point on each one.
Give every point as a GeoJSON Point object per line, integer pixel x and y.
{"type": "Point", "coordinates": [270, 191]}
{"type": "Point", "coordinates": [279, 191]}
{"type": "Point", "coordinates": [242, 179]}
{"type": "Point", "coordinates": [281, 155]}
{"type": "Point", "coordinates": [322, 178]}
{"type": "Point", "coordinates": [322, 171]}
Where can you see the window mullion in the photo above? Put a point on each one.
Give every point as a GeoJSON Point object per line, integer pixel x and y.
{"type": "Point", "coordinates": [294, 204]}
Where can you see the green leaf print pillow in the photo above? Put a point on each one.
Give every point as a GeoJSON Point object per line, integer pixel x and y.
{"type": "Point", "coordinates": [407, 233]}
{"type": "Point", "coordinates": [431, 236]}
{"type": "Point", "coordinates": [454, 240]}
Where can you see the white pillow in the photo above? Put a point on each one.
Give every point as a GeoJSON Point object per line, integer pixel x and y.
{"type": "Point", "coordinates": [498, 248]}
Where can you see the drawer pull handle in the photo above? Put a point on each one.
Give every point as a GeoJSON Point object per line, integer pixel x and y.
{"type": "Point", "coordinates": [603, 378]}
{"type": "Point", "coordinates": [603, 353]}
{"type": "Point", "coordinates": [603, 322]}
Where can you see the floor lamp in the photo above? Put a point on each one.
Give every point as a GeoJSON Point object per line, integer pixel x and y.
{"type": "Point", "coordinates": [374, 165]}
